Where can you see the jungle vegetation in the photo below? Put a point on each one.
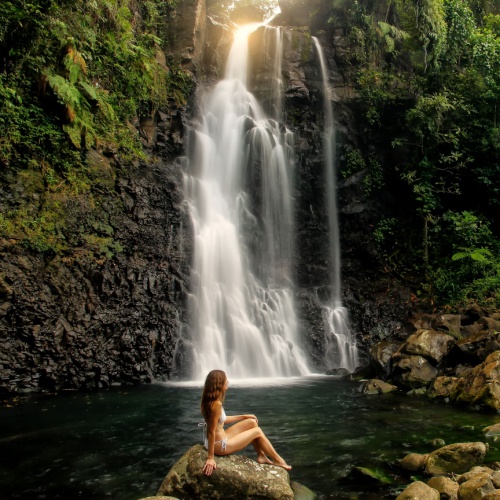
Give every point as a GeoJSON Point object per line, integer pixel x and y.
{"type": "Point", "coordinates": [427, 73]}
{"type": "Point", "coordinates": [73, 77]}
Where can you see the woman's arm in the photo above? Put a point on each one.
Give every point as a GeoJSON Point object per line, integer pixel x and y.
{"type": "Point", "coordinates": [236, 418]}
{"type": "Point", "coordinates": [210, 464]}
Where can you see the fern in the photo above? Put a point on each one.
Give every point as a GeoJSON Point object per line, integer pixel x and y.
{"type": "Point", "coordinates": [67, 93]}
{"type": "Point", "coordinates": [90, 90]}
{"type": "Point", "coordinates": [482, 255]}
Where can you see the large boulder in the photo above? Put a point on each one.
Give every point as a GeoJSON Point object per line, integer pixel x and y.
{"type": "Point", "coordinates": [443, 387]}
{"type": "Point", "coordinates": [448, 489]}
{"type": "Point", "coordinates": [481, 386]}
{"type": "Point", "coordinates": [376, 386]}
{"type": "Point", "coordinates": [457, 458]}
{"type": "Point", "coordinates": [479, 345]}
{"type": "Point", "coordinates": [492, 431]}
{"type": "Point", "coordinates": [476, 488]}
{"type": "Point", "coordinates": [418, 491]}
{"type": "Point", "coordinates": [413, 462]}
{"type": "Point", "coordinates": [449, 323]}
{"type": "Point", "coordinates": [236, 477]}
{"type": "Point", "coordinates": [380, 356]}
{"type": "Point", "coordinates": [430, 344]}
{"type": "Point", "coordinates": [412, 371]}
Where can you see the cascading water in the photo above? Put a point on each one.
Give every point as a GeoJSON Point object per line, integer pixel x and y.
{"type": "Point", "coordinates": [239, 193]}
{"type": "Point", "coordinates": [273, 38]}
{"type": "Point", "coordinates": [340, 347]}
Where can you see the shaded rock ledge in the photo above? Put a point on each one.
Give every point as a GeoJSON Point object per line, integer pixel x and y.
{"type": "Point", "coordinates": [237, 477]}
{"type": "Point", "coordinates": [454, 357]}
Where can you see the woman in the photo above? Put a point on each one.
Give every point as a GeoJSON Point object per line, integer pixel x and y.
{"type": "Point", "coordinates": [238, 436]}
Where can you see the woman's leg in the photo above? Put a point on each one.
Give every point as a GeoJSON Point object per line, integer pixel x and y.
{"type": "Point", "coordinates": [239, 441]}
{"type": "Point", "coordinates": [244, 425]}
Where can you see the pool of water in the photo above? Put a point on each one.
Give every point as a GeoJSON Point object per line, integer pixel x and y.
{"type": "Point", "coordinates": [122, 442]}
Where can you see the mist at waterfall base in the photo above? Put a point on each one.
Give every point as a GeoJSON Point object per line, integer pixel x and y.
{"type": "Point", "coordinates": [121, 443]}
{"type": "Point", "coordinates": [240, 191]}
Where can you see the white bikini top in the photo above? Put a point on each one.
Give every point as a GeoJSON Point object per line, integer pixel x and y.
{"type": "Point", "coordinates": [222, 417]}
{"type": "Point", "coordinates": [203, 424]}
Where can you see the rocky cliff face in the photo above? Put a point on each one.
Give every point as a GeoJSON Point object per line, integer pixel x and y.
{"type": "Point", "coordinates": [71, 321]}
{"type": "Point", "coordinates": [77, 323]}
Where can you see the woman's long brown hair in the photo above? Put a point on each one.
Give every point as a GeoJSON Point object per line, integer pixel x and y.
{"type": "Point", "coordinates": [214, 389]}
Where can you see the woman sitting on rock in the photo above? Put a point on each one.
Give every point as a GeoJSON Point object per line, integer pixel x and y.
{"type": "Point", "coordinates": [239, 435]}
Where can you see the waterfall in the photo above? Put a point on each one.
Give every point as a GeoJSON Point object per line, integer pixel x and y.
{"type": "Point", "coordinates": [239, 191]}
{"type": "Point", "coordinates": [340, 347]}
{"type": "Point", "coordinates": [273, 41]}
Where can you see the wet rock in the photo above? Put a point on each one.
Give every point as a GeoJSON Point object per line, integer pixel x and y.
{"type": "Point", "coordinates": [481, 386]}
{"type": "Point", "coordinates": [495, 478]}
{"type": "Point", "coordinates": [429, 344]}
{"type": "Point", "coordinates": [437, 442]}
{"type": "Point", "coordinates": [236, 477]}
{"type": "Point", "coordinates": [87, 323]}
{"type": "Point", "coordinates": [457, 458]}
{"type": "Point", "coordinates": [479, 345]}
{"type": "Point", "coordinates": [413, 462]}
{"type": "Point", "coordinates": [418, 491]}
{"type": "Point", "coordinates": [494, 495]}
{"type": "Point", "coordinates": [189, 26]}
{"type": "Point", "coordinates": [448, 323]}
{"type": "Point", "coordinates": [476, 488]}
{"type": "Point", "coordinates": [339, 372]}
{"type": "Point", "coordinates": [301, 492]}
{"type": "Point", "coordinates": [447, 488]}
{"type": "Point", "coordinates": [377, 387]}
{"type": "Point", "coordinates": [159, 498]}
{"type": "Point", "coordinates": [412, 371]}
{"type": "Point", "coordinates": [380, 356]}
{"type": "Point", "coordinates": [473, 473]}
{"type": "Point", "coordinates": [462, 370]}
{"type": "Point", "coordinates": [443, 387]}
{"type": "Point", "coordinates": [492, 430]}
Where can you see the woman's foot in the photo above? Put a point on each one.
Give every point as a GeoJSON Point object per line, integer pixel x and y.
{"type": "Point", "coordinates": [262, 459]}
{"type": "Point", "coordinates": [282, 463]}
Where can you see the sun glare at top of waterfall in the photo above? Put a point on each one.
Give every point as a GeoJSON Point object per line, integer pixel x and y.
{"type": "Point", "coordinates": [269, 9]}
{"type": "Point", "coordinates": [244, 30]}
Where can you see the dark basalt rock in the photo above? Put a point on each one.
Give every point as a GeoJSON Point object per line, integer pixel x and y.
{"type": "Point", "coordinates": [77, 322]}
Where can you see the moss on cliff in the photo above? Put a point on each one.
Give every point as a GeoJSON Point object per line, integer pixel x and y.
{"type": "Point", "coordinates": [75, 79]}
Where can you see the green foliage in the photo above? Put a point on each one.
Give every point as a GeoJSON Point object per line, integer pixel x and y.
{"type": "Point", "coordinates": [467, 267]}
{"type": "Point", "coordinates": [461, 26]}
{"type": "Point", "coordinates": [425, 21]}
{"type": "Point", "coordinates": [72, 77]}
{"type": "Point", "coordinates": [374, 178]}
{"type": "Point", "coordinates": [427, 77]}
{"type": "Point", "coordinates": [353, 162]}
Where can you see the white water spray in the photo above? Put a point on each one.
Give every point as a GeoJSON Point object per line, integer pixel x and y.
{"type": "Point", "coordinates": [273, 43]}
{"type": "Point", "coordinates": [239, 192]}
{"type": "Point", "coordinates": [340, 347]}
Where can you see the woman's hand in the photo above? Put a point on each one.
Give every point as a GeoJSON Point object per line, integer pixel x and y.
{"type": "Point", "coordinates": [251, 416]}
{"type": "Point", "coordinates": [209, 466]}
